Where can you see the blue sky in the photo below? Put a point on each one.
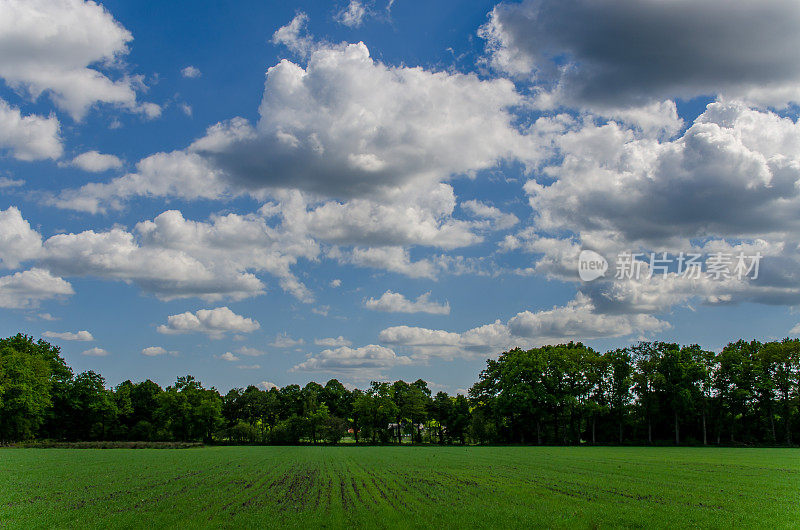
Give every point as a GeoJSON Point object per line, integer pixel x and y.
{"type": "Point", "coordinates": [274, 193]}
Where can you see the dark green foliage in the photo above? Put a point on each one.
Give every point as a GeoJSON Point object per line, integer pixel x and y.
{"type": "Point", "coordinates": [651, 392]}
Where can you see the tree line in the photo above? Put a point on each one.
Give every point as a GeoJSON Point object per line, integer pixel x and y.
{"type": "Point", "coordinates": [648, 393]}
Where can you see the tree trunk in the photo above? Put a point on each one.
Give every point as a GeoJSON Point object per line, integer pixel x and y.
{"type": "Point", "coordinates": [594, 431]}
{"type": "Point", "coordinates": [771, 420]}
{"type": "Point", "coordinates": [539, 432]}
{"type": "Point", "coordinates": [786, 418]}
{"type": "Point", "coordinates": [571, 425]}
{"type": "Point", "coordinates": [705, 436]}
{"type": "Point", "coordinates": [677, 430]}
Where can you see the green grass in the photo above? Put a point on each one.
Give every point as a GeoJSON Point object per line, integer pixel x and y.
{"type": "Point", "coordinates": [450, 487]}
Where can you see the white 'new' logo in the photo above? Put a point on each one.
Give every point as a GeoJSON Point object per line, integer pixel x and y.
{"type": "Point", "coordinates": [591, 265]}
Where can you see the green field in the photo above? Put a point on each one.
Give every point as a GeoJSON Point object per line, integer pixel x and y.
{"type": "Point", "coordinates": [400, 486]}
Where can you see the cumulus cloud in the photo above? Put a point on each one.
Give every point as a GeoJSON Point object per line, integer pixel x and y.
{"type": "Point", "coordinates": [267, 385]}
{"type": "Point", "coordinates": [333, 342]}
{"type": "Point", "coordinates": [96, 162]}
{"type": "Point", "coordinates": [392, 259]}
{"type": "Point", "coordinates": [29, 137]}
{"type": "Point", "coordinates": [228, 356]}
{"type": "Point", "coordinates": [95, 352]}
{"type": "Point", "coordinates": [26, 289]}
{"type": "Point", "coordinates": [344, 126]}
{"type": "Point", "coordinates": [728, 184]}
{"type": "Point", "coordinates": [353, 15]}
{"type": "Point", "coordinates": [348, 360]}
{"type": "Point", "coordinates": [294, 36]}
{"type": "Point", "coordinates": [214, 322]}
{"type": "Point", "coordinates": [495, 219]}
{"type": "Point", "coordinates": [68, 335]}
{"type": "Point", "coordinates": [578, 320]}
{"type": "Point", "coordinates": [621, 53]}
{"type": "Point", "coordinates": [391, 302]}
{"type": "Point", "coordinates": [417, 217]}
{"type": "Point", "coordinates": [732, 173]}
{"type": "Point", "coordinates": [170, 256]}
{"type": "Point", "coordinates": [250, 352]}
{"type": "Point", "coordinates": [349, 126]}
{"type": "Point", "coordinates": [18, 241]}
{"type": "Point", "coordinates": [191, 72]}
{"type": "Point", "coordinates": [350, 152]}
{"type": "Point", "coordinates": [178, 174]}
{"type": "Point", "coordinates": [155, 351]}
{"type": "Point", "coordinates": [167, 273]}
{"type": "Point", "coordinates": [48, 46]}
{"type": "Point", "coordinates": [283, 340]}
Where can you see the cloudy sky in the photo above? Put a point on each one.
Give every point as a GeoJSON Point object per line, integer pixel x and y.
{"type": "Point", "coordinates": [283, 192]}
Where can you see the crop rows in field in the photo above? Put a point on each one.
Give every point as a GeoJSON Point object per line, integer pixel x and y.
{"type": "Point", "coordinates": [391, 486]}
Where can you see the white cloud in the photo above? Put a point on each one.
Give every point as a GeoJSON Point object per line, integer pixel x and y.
{"type": "Point", "coordinates": [348, 126]}
{"type": "Point", "coordinates": [191, 72]}
{"type": "Point", "coordinates": [392, 259]}
{"type": "Point", "coordinates": [578, 320]}
{"type": "Point", "coordinates": [177, 174]}
{"type": "Point", "coordinates": [49, 45]}
{"type": "Point", "coordinates": [228, 356]}
{"type": "Point", "coordinates": [336, 283]}
{"type": "Point", "coordinates": [96, 162]}
{"type": "Point", "coordinates": [18, 241]}
{"type": "Point", "coordinates": [730, 183]}
{"type": "Point", "coordinates": [353, 15]}
{"type": "Point", "coordinates": [267, 385]}
{"type": "Point", "coordinates": [68, 335]}
{"type": "Point", "coordinates": [29, 137]}
{"type": "Point", "coordinates": [238, 242]}
{"type": "Point", "coordinates": [419, 217]}
{"type": "Point", "coordinates": [397, 303]}
{"type": "Point", "coordinates": [27, 289]}
{"type": "Point", "coordinates": [248, 366]}
{"type": "Point", "coordinates": [345, 359]}
{"type": "Point", "coordinates": [333, 342]}
{"type": "Point", "coordinates": [169, 256]}
{"type": "Point", "coordinates": [214, 322]}
{"type": "Point", "coordinates": [6, 182]}
{"type": "Point", "coordinates": [732, 173]}
{"type": "Point", "coordinates": [344, 126]}
{"type": "Point", "coordinates": [354, 153]}
{"type": "Point", "coordinates": [154, 351]}
{"type": "Point", "coordinates": [282, 340]}
{"type": "Point", "coordinates": [495, 218]}
{"type": "Point", "coordinates": [250, 352]}
{"type": "Point", "coordinates": [795, 330]}
{"type": "Point", "coordinates": [168, 273]}
{"type": "Point", "coordinates": [293, 35]}
{"type": "Point", "coordinates": [95, 352]}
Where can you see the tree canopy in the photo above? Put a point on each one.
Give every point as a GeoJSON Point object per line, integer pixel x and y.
{"type": "Point", "coordinates": [649, 392]}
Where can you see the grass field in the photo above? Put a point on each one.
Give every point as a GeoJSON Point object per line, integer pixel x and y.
{"type": "Point", "coordinates": [446, 487]}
